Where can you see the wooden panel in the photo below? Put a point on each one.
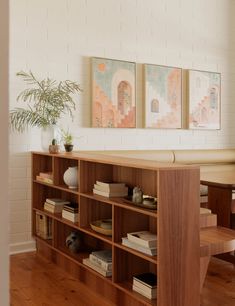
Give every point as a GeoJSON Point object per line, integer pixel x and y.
{"type": "Point", "coordinates": [41, 163]}
{"type": "Point", "coordinates": [145, 179]}
{"type": "Point", "coordinates": [204, 262]}
{"type": "Point", "coordinates": [220, 202]}
{"type": "Point", "coordinates": [90, 172]}
{"type": "Point", "coordinates": [127, 221]}
{"type": "Point", "coordinates": [178, 238]}
{"type": "Point", "coordinates": [93, 210]}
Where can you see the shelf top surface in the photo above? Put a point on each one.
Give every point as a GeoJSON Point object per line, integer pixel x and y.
{"type": "Point", "coordinates": [119, 161]}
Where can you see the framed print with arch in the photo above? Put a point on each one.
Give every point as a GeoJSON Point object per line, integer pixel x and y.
{"type": "Point", "coordinates": [113, 93]}
{"type": "Point", "coordinates": [163, 97]}
{"type": "Point", "coordinates": [204, 91]}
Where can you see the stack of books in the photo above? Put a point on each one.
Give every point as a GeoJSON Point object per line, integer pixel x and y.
{"type": "Point", "coordinates": [146, 284]}
{"type": "Point", "coordinates": [55, 205]}
{"type": "Point", "coordinates": [110, 189]}
{"type": "Point", "coordinates": [142, 241]}
{"type": "Point", "coordinates": [70, 212]}
{"type": "Point", "coordinates": [100, 261]}
{"type": "Point", "coordinates": [45, 177]}
{"type": "Point", "coordinates": [43, 226]}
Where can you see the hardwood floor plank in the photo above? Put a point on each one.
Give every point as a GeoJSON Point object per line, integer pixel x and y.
{"type": "Point", "coordinates": [36, 281]}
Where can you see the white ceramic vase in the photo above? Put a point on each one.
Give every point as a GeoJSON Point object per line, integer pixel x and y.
{"type": "Point", "coordinates": [71, 177]}
{"type": "Point", "coordinates": [48, 134]}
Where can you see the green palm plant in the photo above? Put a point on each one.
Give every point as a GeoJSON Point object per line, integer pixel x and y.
{"type": "Point", "coordinates": [46, 101]}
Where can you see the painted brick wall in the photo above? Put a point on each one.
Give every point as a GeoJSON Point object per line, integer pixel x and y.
{"type": "Point", "coordinates": [57, 38]}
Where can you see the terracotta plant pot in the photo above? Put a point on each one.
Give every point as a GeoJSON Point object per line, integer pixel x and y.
{"type": "Point", "coordinates": [68, 147]}
{"type": "Point", "coordinates": [54, 149]}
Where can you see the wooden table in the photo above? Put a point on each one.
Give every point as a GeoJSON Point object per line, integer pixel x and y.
{"type": "Point", "coordinates": [220, 187]}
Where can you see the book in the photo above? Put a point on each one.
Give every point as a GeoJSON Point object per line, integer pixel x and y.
{"type": "Point", "coordinates": [121, 193]}
{"type": "Point", "coordinates": [147, 279]}
{"type": "Point", "coordinates": [137, 247]}
{"type": "Point", "coordinates": [105, 255]}
{"type": "Point", "coordinates": [71, 207]}
{"type": "Point", "coordinates": [151, 295]}
{"type": "Point", "coordinates": [44, 180]}
{"type": "Point", "coordinates": [73, 217]}
{"type": "Point", "coordinates": [144, 238]}
{"type": "Point", "coordinates": [109, 186]}
{"type": "Point", "coordinates": [46, 175]}
{"type": "Point", "coordinates": [57, 201]}
{"type": "Point", "coordinates": [43, 226]}
{"type": "Point", "coordinates": [107, 266]}
{"type": "Point", "coordinates": [52, 208]}
{"type": "Point", "coordinates": [87, 262]}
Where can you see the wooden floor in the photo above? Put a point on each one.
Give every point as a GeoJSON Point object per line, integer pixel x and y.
{"type": "Point", "coordinates": [37, 282]}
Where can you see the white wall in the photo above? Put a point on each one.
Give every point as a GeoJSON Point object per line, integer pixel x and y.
{"type": "Point", "coordinates": [57, 38]}
{"type": "Point", "coordinates": [4, 205]}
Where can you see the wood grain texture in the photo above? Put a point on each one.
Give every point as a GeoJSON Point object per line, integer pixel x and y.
{"type": "Point", "coordinates": [216, 240]}
{"type": "Point", "coordinates": [220, 203]}
{"type": "Point", "coordinates": [178, 238]}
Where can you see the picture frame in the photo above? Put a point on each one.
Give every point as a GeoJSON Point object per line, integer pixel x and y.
{"type": "Point", "coordinates": [204, 100]}
{"type": "Point", "coordinates": [113, 93]}
{"type": "Point", "coordinates": [163, 96]}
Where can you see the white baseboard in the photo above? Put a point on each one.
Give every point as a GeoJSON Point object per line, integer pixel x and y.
{"type": "Point", "coordinates": [22, 247]}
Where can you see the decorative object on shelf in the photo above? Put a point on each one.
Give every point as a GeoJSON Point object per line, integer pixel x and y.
{"type": "Point", "coordinates": [113, 93]}
{"type": "Point", "coordinates": [73, 242]}
{"type": "Point", "coordinates": [54, 148]}
{"type": "Point", "coordinates": [71, 177]}
{"type": "Point", "coordinates": [204, 100]}
{"type": "Point", "coordinates": [163, 97]}
{"type": "Point", "coordinates": [102, 226]}
{"type": "Point", "coordinates": [137, 196]}
{"type": "Point", "coordinates": [67, 139]}
{"type": "Point", "coordinates": [48, 133]}
{"type": "Point", "coordinates": [47, 100]}
{"type": "Point", "coordinates": [147, 202]}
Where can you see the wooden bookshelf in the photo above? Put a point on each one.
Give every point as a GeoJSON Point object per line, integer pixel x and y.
{"type": "Point", "coordinates": [176, 223]}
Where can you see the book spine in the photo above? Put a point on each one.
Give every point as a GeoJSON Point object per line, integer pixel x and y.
{"type": "Point", "coordinates": [44, 180]}
{"type": "Point", "coordinates": [88, 263]}
{"type": "Point", "coordinates": [104, 265]}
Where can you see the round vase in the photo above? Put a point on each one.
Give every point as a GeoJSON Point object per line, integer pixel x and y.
{"type": "Point", "coordinates": [49, 133]}
{"type": "Point", "coordinates": [71, 177]}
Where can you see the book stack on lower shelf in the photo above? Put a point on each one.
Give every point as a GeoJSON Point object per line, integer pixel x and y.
{"type": "Point", "coordinates": [110, 189]}
{"type": "Point", "coordinates": [43, 226]}
{"type": "Point", "coordinates": [142, 241]}
{"type": "Point", "coordinates": [100, 261]}
{"type": "Point", "coordinates": [55, 205]}
{"type": "Point", "coordinates": [45, 177]}
{"type": "Point", "coordinates": [146, 284]}
{"type": "Point", "coordinates": [70, 212]}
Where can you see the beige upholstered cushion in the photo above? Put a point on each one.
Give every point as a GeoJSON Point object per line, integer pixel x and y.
{"type": "Point", "coordinates": [205, 156]}
{"type": "Point", "coordinates": [164, 156]}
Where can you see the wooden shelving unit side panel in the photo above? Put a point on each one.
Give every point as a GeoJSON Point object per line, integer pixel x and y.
{"type": "Point", "coordinates": [40, 163]}
{"type": "Point", "coordinates": [178, 238]}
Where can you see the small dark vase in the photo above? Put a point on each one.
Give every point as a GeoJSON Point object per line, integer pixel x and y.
{"type": "Point", "coordinates": [68, 147]}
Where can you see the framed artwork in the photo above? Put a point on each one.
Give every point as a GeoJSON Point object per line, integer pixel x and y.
{"type": "Point", "coordinates": [204, 99]}
{"type": "Point", "coordinates": [163, 97]}
{"type": "Point", "coordinates": [113, 93]}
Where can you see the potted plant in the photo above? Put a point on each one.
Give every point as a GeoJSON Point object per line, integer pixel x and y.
{"type": "Point", "coordinates": [54, 148]}
{"type": "Point", "coordinates": [46, 101]}
{"type": "Point", "coordinates": [67, 138]}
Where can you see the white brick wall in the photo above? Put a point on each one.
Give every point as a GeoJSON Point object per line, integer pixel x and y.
{"type": "Point", "coordinates": [57, 38]}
